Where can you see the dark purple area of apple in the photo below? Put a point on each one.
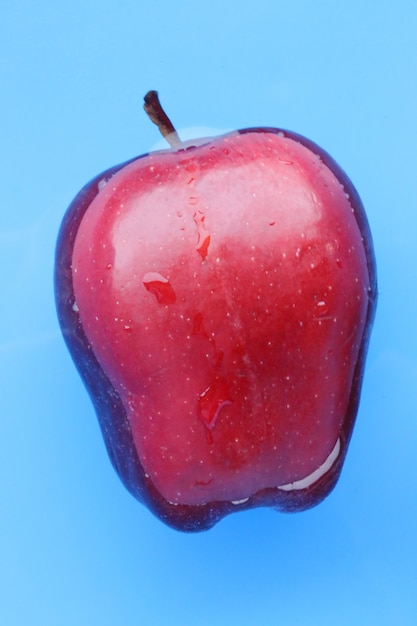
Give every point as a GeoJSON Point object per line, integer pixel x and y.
{"type": "Point", "coordinates": [110, 409]}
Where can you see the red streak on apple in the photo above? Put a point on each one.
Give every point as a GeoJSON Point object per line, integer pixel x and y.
{"type": "Point", "coordinates": [232, 285]}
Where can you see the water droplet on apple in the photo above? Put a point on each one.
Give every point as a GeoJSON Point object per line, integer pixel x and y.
{"type": "Point", "coordinates": [211, 402]}
{"type": "Point", "coordinates": [160, 287]}
{"type": "Point", "coordinates": [242, 501]}
{"type": "Point", "coordinates": [314, 198]}
{"type": "Point", "coordinates": [321, 308]}
{"type": "Point", "coordinates": [202, 247]}
{"type": "Point", "coordinates": [317, 474]}
{"type": "Point", "coordinates": [198, 328]}
{"type": "Point", "coordinates": [203, 236]}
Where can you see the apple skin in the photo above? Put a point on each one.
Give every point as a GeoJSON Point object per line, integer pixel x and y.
{"type": "Point", "coordinates": [185, 305]}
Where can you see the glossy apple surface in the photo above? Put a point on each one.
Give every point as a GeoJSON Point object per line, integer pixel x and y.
{"type": "Point", "coordinates": [218, 300]}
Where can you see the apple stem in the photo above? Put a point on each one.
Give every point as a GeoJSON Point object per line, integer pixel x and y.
{"type": "Point", "coordinates": [158, 116]}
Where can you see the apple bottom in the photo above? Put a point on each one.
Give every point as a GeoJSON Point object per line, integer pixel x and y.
{"type": "Point", "coordinates": [192, 464]}
{"type": "Point", "coordinates": [293, 498]}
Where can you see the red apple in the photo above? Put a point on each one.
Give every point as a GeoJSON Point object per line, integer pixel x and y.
{"type": "Point", "coordinates": [217, 298]}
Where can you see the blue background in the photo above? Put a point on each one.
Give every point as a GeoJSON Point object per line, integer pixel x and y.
{"type": "Point", "coordinates": [75, 547]}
